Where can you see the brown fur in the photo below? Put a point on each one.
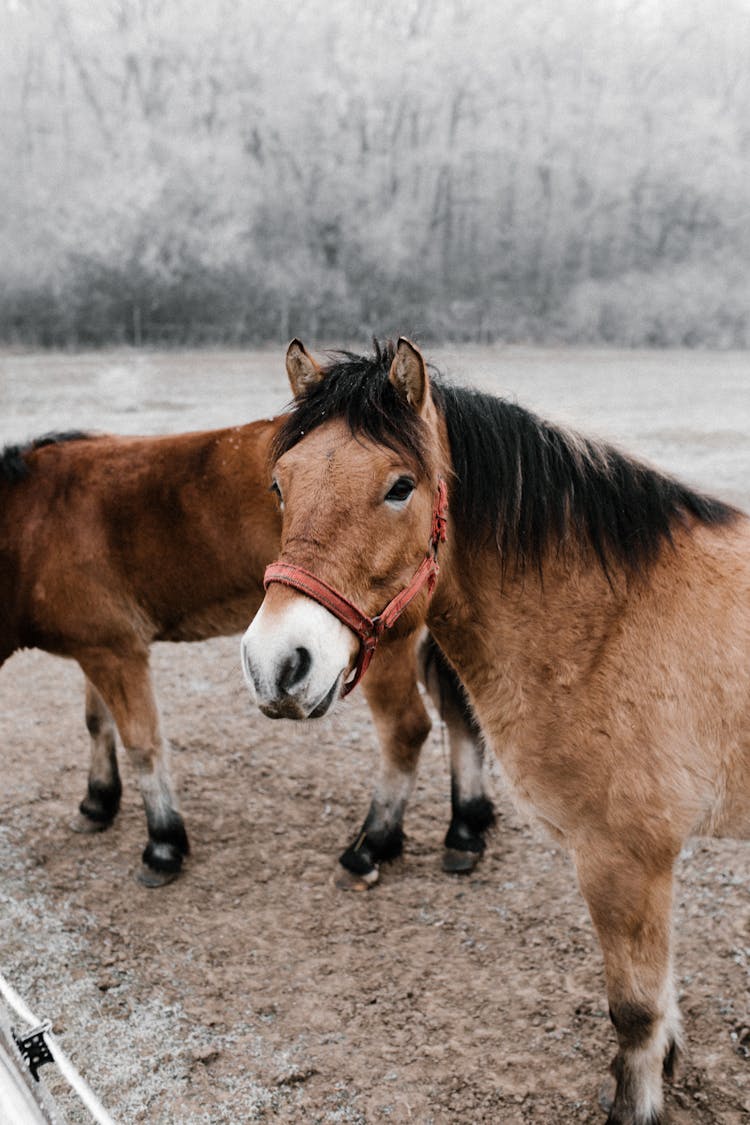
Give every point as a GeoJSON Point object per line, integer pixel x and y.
{"type": "Point", "coordinates": [617, 702]}
{"type": "Point", "coordinates": [108, 544]}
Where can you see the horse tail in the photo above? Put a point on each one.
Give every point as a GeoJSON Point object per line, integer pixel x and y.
{"type": "Point", "coordinates": [13, 464]}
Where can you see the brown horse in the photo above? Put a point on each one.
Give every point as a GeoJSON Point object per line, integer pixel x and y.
{"type": "Point", "coordinates": [110, 543]}
{"type": "Point", "coordinates": [597, 610]}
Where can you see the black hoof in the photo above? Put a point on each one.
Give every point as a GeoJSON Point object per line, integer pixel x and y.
{"type": "Point", "coordinates": [101, 804]}
{"type": "Point", "coordinates": [457, 862]}
{"type": "Point", "coordinates": [358, 860]}
{"type": "Point", "coordinates": [148, 877]}
{"type": "Point", "coordinates": [167, 844]}
{"type": "Point", "coordinates": [163, 856]}
{"type": "Point", "coordinates": [470, 823]}
{"type": "Point", "coordinates": [363, 857]}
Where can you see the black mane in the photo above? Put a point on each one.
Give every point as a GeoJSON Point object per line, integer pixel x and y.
{"type": "Point", "coordinates": [529, 484]}
{"type": "Point", "coordinates": [13, 465]}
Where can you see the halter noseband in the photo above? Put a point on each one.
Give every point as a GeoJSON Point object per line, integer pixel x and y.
{"type": "Point", "coordinates": [368, 629]}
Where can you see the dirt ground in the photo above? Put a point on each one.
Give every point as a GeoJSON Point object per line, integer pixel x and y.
{"type": "Point", "coordinates": [253, 990]}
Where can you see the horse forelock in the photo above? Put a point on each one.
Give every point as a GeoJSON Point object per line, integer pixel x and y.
{"type": "Point", "coordinates": [357, 390]}
{"type": "Point", "coordinates": [532, 486]}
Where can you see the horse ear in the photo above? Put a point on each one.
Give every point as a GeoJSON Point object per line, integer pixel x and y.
{"type": "Point", "coordinates": [408, 374]}
{"type": "Point", "coordinates": [301, 368]}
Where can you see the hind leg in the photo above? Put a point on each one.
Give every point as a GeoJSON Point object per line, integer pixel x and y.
{"type": "Point", "coordinates": [99, 807]}
{"type": "Point", "coordinates": [124, 684]}
{"type": "Point", "coordinates": [403, 724]}
{"type": "Point", "coordinates": [631, 904]}
{"type": "Point", "coordinates": [472, 811]}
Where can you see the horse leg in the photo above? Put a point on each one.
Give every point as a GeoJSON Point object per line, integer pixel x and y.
{"type": "Point", "coordinates": [124, 684]}
{"type": "Point", "coordinates": [99, 807]}
{"type": "Point", "coordinates": [630, 901]}
{"type": "Point", "coordinates": [472, 811]}
{"type": "Point", "coordinates": [403, 724]}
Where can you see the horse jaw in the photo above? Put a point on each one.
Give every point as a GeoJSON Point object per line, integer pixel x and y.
{"type": "Point", "coordinates": [296, 656]}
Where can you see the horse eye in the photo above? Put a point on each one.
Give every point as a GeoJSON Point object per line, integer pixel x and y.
{"type": "Point", "coordinates": [401, 490]}
{"type": "Point", "coordinates": [275, 489]}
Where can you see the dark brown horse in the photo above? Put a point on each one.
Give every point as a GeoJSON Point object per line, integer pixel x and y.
{"type": "Point", "coordinates": [110, 543]}
{"type": "Point", "coordinates": [597, 610]}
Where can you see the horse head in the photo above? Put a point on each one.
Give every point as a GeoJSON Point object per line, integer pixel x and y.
{"type": "Point", "coordinates": [355, 470]}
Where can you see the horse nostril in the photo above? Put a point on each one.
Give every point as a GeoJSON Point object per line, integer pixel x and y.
{"type": "Point", "coordinates": [294, 669]}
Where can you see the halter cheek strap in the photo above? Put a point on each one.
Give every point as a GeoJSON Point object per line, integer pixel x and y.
{"type": "Point", "coordinates": [368, 629]}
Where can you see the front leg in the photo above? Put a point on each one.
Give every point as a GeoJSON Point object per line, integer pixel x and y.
{"type": "Point", "coordinates": [124, 683]}
{"type": "Point", "coordinates": [472, 810]}
{"type": "Point", "coordinates": [403, 724]}
{"type": "Point", "coordinates": [99, 807]}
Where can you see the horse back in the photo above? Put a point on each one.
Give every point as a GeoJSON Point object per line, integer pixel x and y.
{"type": "Point", "coordinates": [111, 536]}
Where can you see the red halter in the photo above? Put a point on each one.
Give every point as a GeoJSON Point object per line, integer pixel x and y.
{"type": "Point", "coordinates": [368, 629]}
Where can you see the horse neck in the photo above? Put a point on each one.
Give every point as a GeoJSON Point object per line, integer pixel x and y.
{"type": "Point", "coordinates": [485, 616]}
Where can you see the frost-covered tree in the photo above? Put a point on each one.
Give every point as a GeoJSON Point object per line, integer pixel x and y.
{"type": "Point", "coordinates": [549, 170]}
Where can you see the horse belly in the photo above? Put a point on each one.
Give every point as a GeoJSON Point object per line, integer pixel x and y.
{"type": "Point", "coordinates": [221, 619]}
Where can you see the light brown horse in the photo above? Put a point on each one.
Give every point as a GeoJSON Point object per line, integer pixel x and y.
{"type": "Point", "coordinates": [110, 543]}
{"type": "Point", "coordinates": [597, 611]}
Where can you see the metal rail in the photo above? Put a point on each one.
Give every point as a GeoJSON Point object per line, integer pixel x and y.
{"type": "Point", "coordinates": [42, 1034]}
